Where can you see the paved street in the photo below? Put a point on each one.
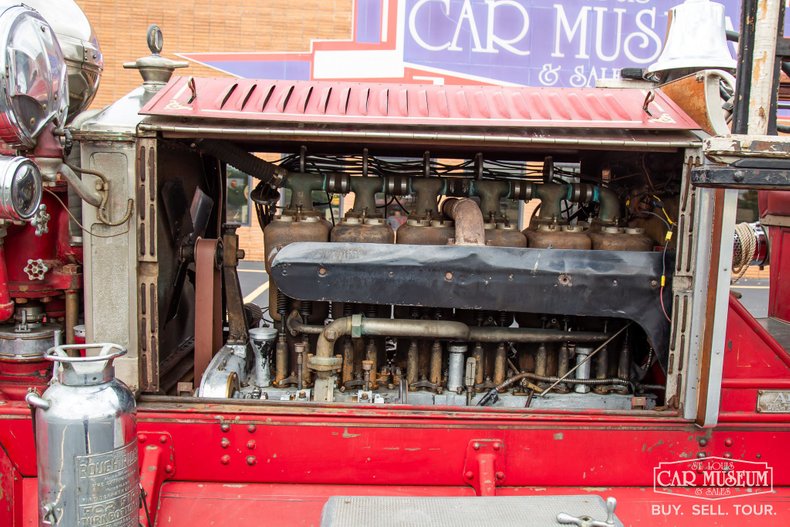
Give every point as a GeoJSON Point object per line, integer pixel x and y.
{"type": "Point", "coordinates": [755, 295]}
{"type": "Point", "coordinates": [254, 283]}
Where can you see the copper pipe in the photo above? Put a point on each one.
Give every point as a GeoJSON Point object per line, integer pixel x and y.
{"type": "Point", "coordinates": [72, 314]}
{"type": "Point", "coordinates": [541, 359]}
{"type": "Point", "coordinates": [412, 363]}
{"type": "Point", "coordinates": [300, 362]}
{"type": "Point", "coordinates": [348, 361]}
{"type": "Point", "coordinates": [602, 369]}
{"type": "Point", "coordinates": [307, 379]}
{"type": "Point", "coordinates": [371, 355]}
{"type": "Point", "coordinates": [563, 365]}
{"type": "Point", "coordinates": [500, 364]}
{"type": "Point", "coordinates": [281, 360]}
{"type": "Point", "coordinates": [477, 354]}
{"type": "Point", "coordinates": [436, 363]}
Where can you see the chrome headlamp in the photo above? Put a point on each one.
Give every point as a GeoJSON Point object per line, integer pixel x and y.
{"type": "Point", "coordinates": [33, 89]}
{"type": "Point", "coordinates": [20, 188]}
{"type": "Point", "coordinates": [80, 49]}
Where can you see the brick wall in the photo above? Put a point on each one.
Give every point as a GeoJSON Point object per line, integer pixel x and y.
{"type": "Point", "coordinates": [208, 25]}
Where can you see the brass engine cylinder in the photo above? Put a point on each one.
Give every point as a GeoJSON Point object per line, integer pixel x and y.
{"type": "Point", "coordinates": [554, 236]}
{"type": "Point", "coordinates": [502, 235]}
{"type": "Point", "coordinates": [619, 239]}
{"type": "Point", "coordinates": [359, 230]}
{"type": "Point", "coordinates": [425, 232]}
{"type": "Point", "coordinates": [287, 229]}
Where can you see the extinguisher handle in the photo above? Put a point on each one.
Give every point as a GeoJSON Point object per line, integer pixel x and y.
{"type": "Point", "coordinates": [36, 401]}
{"type": "Point", "coordinates": [108, 352]}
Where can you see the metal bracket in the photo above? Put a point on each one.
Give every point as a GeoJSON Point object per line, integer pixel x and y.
{"type": "Point", "coordinates": [484, 466]}
{"type": "Point", "coordinates": [741, 178]}
{"type": "Point", "coordinates": [157, 465]}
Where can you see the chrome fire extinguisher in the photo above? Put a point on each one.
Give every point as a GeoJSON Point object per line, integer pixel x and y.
{"type": "Point", "coordinates": [86, 442]}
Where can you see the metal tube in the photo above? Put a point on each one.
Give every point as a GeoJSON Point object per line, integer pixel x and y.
{"type": "Point", "coordinates": [436, 364]}
{"type": "Point", "coordinates": [437, 329]}
{"type": "Point", "coordinates": [372, 356]}
{"type": "Point", "coordinates": [624, 362]}
{"type": "Point", "coordinates": [541, 359]}
{"type": "Point", "coordinates": [299, 349]}
{"type": "Point", "coordinates": [469, 379]}
{"type": "Point", "coordinates": [281, 359]}
{"type": "Point", "coordinates": [412, 363]}
{"type": "Point", "coordinates": [409, 137]}
{"type": "Point", "coordinates": [583, 382]}
{"type": "Point", "coordinates": [602, 368]}
{"type": "Point", "coordinates": [500, 363]}
{"type": "Point", "coordinates": [296, 326]}
{"type": "Point", "coordinates": [477, 354]}
{"type": "Point", "coordinates": [455, 367]}
{"type": "Point", "coordinates": [72, 314]}
{"type": "Point", "coordinates": [582, 369]}
{"type": "Point", "coordinates": [563, 363]}
{"type": "Point", "coordinates": [532, 335]}
{"type": "Point", "coordinates": [469, 224]}
{"type": "Point", "coordinates": [86, 191]}
{"type": "Point", "coordinates": [348, 361]}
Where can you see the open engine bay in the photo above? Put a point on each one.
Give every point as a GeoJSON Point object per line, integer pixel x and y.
{"type": "Point", "coordinates": [429, 292]}
{"type": "Point", "coordinates": [539, 257]}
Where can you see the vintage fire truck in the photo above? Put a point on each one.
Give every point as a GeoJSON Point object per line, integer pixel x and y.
{"type": "Point", "coordinates": [425, 359]}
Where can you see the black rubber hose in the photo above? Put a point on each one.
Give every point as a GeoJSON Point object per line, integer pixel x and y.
{"type": "Point", "coordinates": [268, 173]}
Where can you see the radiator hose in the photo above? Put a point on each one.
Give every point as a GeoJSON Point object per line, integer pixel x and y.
{"type": "Point", "coordinates": [268, 173]}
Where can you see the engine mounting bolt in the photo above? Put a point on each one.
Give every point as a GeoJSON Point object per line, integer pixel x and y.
{"type": "Point", "coordinates": [497, 446]}
{"type": "Point", "coordinates": [476, 446]}
{"type": "Point", "coordinates": [163, 438]}
{"type": "Point", "coordinates": [728, 442]}
{"type": "Point", "coordinates": [225, 443]}
{"type": "Point", "coordinates": [251, 460]}
{"type": "Point", "coordinates": [653, 283]}
{"type": "Point", "coordinates": [703, 441]}
{"type": "Point", "coordinates": [225, 427]}
{"type": "Point", "coordinates": [169, 469]}
{"type": "Point", "coordinates": [142, 438]}
{"type": "Point", "coordinates": [225, 459]}
{"type": "Point", "coordinates": [500, 475]}
{"type": "Point", "coordinates": [469, 475]}
{"type": "Point", "coordinates": [251, 444]}
{"type": "Point", "coordinates": [251, 429]}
